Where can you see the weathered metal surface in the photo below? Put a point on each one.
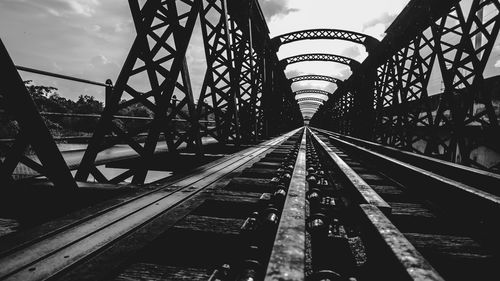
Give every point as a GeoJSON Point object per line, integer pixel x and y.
{"type": "Point", "coordinates": [315, 77]}
{"type": "Point", "coordinates": [364, 190]}
{"type": "Point", "coordinates": [485, 204]}
{"type": "Point", "coordinates": [287, 260]}
{"type": "Point", "coordinates": [391, 97]}
{"type": "Point", "coordinates": [401, 254]}
{"type": "Point", "coordinates": [18, 102]}
{"type": "Point", "coordinates": [54, 253]}
{"type": "Point", "coordinates": [338, 34]}
{"type": "Point", "coordinates": [320, 57]}
{"type": "Point", "coordinates": [481, 179]}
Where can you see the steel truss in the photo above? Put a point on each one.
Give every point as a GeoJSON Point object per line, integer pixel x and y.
{"type": "Point", "coordinates": [237, 75]}
{"type": "Point", "coordinates": [18, 104]}
{"type": "Point", "coordinates": [315, 77]}
{"type": "Point", "coordinates": [369, 42]}
{"type": "Point", "coordinates": [310, 99]}
{"type": "Point", "coordinates": [458, 37]}
{"type": "Point", "coordinates": [320, 57]}
{"type": "Point", "coordinates": [312, 91]}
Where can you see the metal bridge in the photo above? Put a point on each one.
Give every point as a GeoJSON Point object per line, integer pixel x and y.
{"type": "Point", "coordinates": [376, 176]}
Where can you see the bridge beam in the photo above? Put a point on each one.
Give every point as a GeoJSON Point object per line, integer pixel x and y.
{"type": "Point", "coordinates": [315, 77]}
{"type": "Point", "coordinates": [33, 131]}
{"type": "Point", "coordinates": [333, 34]}
{"type": "Point", "coordinates": [353, 64]}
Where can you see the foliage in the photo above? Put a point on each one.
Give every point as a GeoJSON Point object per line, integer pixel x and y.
{"type": "Point", "coordinates": [48, 100]}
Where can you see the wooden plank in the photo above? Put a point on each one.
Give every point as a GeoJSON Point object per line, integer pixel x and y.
{"type": "Point", "coordinates": [156, 272]}
{"type": "Point", "coordinates": [411, 209]}
{"type": "Point", "coordinates": [390, 252]}
{"type": "Point", "coordinates": [8, 226]}
{"type": "Point", "coordinates": [251, 185]}
{"type": "Point", "coordinates": [262, 164]}
{"type": "Point", "coordinates": [387, 189]}
{"type": "Point", "coordinates": [211, 224]}
{"type": "Point", "coordinates": [287, 261]}
{"type": "Point", "coordinates": [456, 246]}
{"type": "Point", "coordinates": [235, 193]}
{"type": "Point", "coordinates": [363, 190]}
{"type": "Point", "coordinates": [457, 257]}
{"type": "Point", "coordinates": [259, 172]}
{"type": "Point", "coordinates": [448, 193]}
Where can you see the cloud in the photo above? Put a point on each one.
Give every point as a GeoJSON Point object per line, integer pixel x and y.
{"type": "Point", "coordinates": [293, 73]}
{"type": "Point", "coordinates": [88, 39]}
{"type": "Point", "coordinates": [379, 25]}
{"type": "Point", "coordinates": [351, 52]}
{"type": "Point", "coordinates": [377, 31]}
{"type": "Point", "coordinates": [344, 74]}
{"type": "Point", "coordinates": [61, 8]}
{"type": "Point", "coordinates": [101, 62]}
{"type": "Point", "coordinates": [276, 8]}
{"type": "Point", "coordinates": [86, 8]}
{"type": "Point", "coordinates": [386, 19]}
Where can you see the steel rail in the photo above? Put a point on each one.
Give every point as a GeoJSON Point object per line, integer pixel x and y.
{"type": "Point", "coordinates": [484, 180]}
{"type": "Point", "coordinates": [45, 258]}
{"type": "Point", "coordinates": [364, 192]}
{"type": "Point", "coordinates": [489, 199]}
{"type": "Point", "coordinates": [471, 206]}
{"type": "Point", "coordinates": [398, 251]}
{"type": "Point", "coordinates": [288, 254]}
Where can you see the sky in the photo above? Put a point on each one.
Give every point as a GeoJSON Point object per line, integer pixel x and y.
{"type": "Point", "coordinates": [91, 38]}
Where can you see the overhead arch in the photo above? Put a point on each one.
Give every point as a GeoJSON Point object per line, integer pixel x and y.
{"type": "Point", "coordinates": [311, 34]}
{"type": "Point", "coordinates": [320, 57]}
{"type": "Point", "coordinates": [311, 91]}
{"type": "Point", "coordinates": [315, 77]}
{"type": "Point", "coordinates": [310, 99]}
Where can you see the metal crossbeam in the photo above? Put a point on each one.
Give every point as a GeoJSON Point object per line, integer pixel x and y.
{"type": "Point", "coordinates": [320, 57]}
{"type": "Point", "coordinates": [310, 99]}
{"type": "Point", "coordinates": [315, 77]}
{"type": "Point", "coordinates": [368, 41]}
{"type": "Point", "coordinates": [312, 91]}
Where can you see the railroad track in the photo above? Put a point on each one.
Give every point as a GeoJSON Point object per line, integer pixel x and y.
{"type": "Point", "coordinates": [306, 205]}
{"type": "Point", "coordinates": [447, 212]}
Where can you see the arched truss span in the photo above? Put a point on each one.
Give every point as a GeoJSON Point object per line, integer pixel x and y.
{"type": "Point", "coordinates": [369, 42]}
{"type": "Point", "coordinates": [310, 100]}
{"type": "Point", "coordinates": [315, 77]}
{"type": "Point", "coordinates": [312, 91]}
{"type": "Point", "coordinates": [320, 57]}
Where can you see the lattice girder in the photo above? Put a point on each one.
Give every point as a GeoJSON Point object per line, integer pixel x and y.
{"type": "Point", "coordinates": [315, 77]}
{"type": "Point", "coordinates": [320, 57]}
{"type": "Point", "coordinates": [150, 78]}
{"type": "Point", "coordinates": [369, 42]}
